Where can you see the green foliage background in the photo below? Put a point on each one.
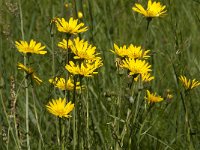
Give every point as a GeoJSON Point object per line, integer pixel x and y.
{"type": "Point", "coordinates": [174, 44]}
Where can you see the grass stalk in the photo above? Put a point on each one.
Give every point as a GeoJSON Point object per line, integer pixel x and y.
{"type": "Point", "coordinates": [26, 82]}
{"type": "Point", "coordinates": [187, 122]}
{"type": "Point", "coordinates": [36, 116]}
{"type": "Point", "coordinates": [116, 122]}
{"type": "Point", "coordinates": [74, 116]}
{"type": "Point", "coordinates": [87, 115]}
{"type": "Point", "coordinates": [27, 110]}
{"type": "Point", "coordinates": [61, 135]}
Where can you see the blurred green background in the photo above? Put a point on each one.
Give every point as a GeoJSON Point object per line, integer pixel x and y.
{"type": "Point", "coordinates": [175, 50]}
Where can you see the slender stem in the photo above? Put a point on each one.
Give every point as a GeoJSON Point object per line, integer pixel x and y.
{"type": "Point", "coordinates": [53, 63]}
{"type": "Point", "coordinates": [75, 9]}
{"type": "Point", "coordinates": [21, 20]}
{"type": "Point", "coordinates": [116, 123]}
{"type": "Point", "coordinates": [36, 116]}
{"type": "Point", "coordinates": [53, 55]}
{"type": "Point", "coordinates": [187, 122]}
{"type": "Point", "coordinates": [148, 22]}
{"type": "Point", "coordinates": [26, 82]}
{"type": "Point", "coordinates": [67, 76]}
{"type": "Point", "coordinates": [60, 134]}
{"type": "Point", "coordinates": [74, 115]}
{"type": "Point", "coordinates": [87, 117]}
{"type": "Point", "coordinates": [138, 99]}
{"type": "Point", "coordinates": [74, 130]}
{"type": "Point", "coordinates": [27, 110]}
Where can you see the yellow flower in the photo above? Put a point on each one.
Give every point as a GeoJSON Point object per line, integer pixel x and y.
{"type": "Point", "coordinates": [153, 97]}
{"type": "Point", "coordinates": [189, 83]}
{"type": "Point", "coordinates": [32, 47]}
{"type": "Point", "coordinates": [60, 83]}
{"type": "Point", "coordinates": [80, 14]}
{"type": "Point", "coordinates": [145, 77]}
{"type": "Point", "coordinates": [66, 5]}
{"type": "Point", "coordinates": [83, 50]}
{"type": "Point", "coordinates": [29, 72]}
{"type": "Point", "coordinates": [71, 27]}
{"type": "Point", "coordinates": [137, 52]}
{"type": "Point", "coordinates": [120, 51]}
{"type": "Point", "coordinates": [136, 66]}
{"type": "Point", "coordinates": [86, 69]}
{"type": "Point", "coordinates": [64, 44]}
{"type": "Point", "coordinates": [169, 96]}
{"type": "Point", "coordinates": [60, 108]}
{"type": "Point", "coordinates": [154, 9]}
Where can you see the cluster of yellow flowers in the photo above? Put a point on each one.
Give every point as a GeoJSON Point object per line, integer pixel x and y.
{"type": "Point", "coordinates": [134, 58]}
{"type": "Point", "coordinates": [60, 83]}
{"type": "Point", "coordinates": [86, 60]}
{"type": "Point", "coordinates": [84, 63]}
{"type": "Point", "coordinates": [154, 9]}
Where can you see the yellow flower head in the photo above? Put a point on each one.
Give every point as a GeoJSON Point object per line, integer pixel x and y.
{"type": "Point", "coordinates": [32, 47]}
{"type": "Point", "coordinates": [64, 45]}
{"type": "Point", "coordinates": [29, 72]}
{"type": "Point", "coordinates": [136, 66]}
{"type": "Point", "coordinates": [67, 5]}
{"type": "Point", "coordinates": [83, 50]}
{"type": "Point", "coordinates": [189, 83]}
{"type": "Point", "coordinates": [136, 52]}
{"type": "Point", "coordinates": [154, 9]}
{"type": "Point", "coordinates": [60, 83]}
{"type": "Point", "coordinates": [153, 97]}
{"type": "Point", "coordinates": [169, 96]}
{"type": "Point", "coordinates": [80, 14]}
{"type": "Point", "coordinates": [120, 51]}
{"type": "Point", "coordinates": [146, 77]}
{"type": "Point", "coordinates": [60, 108]}
{"type": "Point", "coordinates": [71, 27]}
{"type": "Point", "coordinates": [86, 69]}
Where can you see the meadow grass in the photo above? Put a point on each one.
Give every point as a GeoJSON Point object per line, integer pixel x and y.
{"type": "Point", "coordinates": [111, 111]}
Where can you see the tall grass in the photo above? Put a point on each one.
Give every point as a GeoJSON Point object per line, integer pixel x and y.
{"type": "Point", "coordinates": [109, 114]}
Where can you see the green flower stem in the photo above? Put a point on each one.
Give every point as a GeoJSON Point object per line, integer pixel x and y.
{"type": "Point", "coordinates": [148, 22]}
{"type": "Point", "coordinates": [67, 62]}
{"type": "Point", "coordinates": [53, 55]}
{"type": "Point", "coordinates": [187, 122]}
{"type": "Point", "coordinates": [74, 115]}
{"type": "Point", "coordinates": [63, 136]}
{"type": "Point", "coordinates": [79, 128]}
{"type": "Point", "coordinates": [87, 115]}
{"type": "Point", "coordinates": [116, 122]}
{"type": "Point", "coordinates": [62, 132]}
{"type": "Point", "coordinates": [126, 126]}
{"type": "Point", "coordinates": [74, 130]}
{"type": "Point", "coordinates": [27, 109]}
{"type": "Point", "coordinates": [139, 90]}
{"type": "Point", "coordinates": [36, 116]}
{"type": "Point", "coordinates": [26, 81]}
{"type": "Point", "coordinates": [75, 8]}
{"type": "Point", "coordinates": [53, 62]}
